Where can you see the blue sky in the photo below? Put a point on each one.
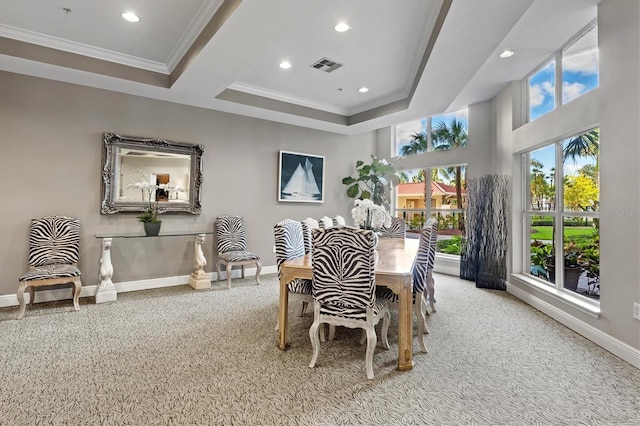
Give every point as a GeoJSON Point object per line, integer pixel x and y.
{"type": "Point", "coordinates": [406, 130]}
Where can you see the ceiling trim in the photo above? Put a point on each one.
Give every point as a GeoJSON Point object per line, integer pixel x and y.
{"type": "Point", "coordinates": [33, 52]}
{"type": "Point", "coordinates": [246, 95]}
{"type": "Point", "coordinates": [80, 49]}
{"type": "Point", "coordinates": [223, 13]}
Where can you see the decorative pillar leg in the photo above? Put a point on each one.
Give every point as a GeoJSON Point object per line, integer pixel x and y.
{"type": "Point", "coordinates": [106, 291]}
{"type": "Point", "coordinates": [199, 278]}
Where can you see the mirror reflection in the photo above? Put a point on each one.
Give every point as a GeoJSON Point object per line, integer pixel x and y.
{"type": "Point", "coordinates": [139, 171]}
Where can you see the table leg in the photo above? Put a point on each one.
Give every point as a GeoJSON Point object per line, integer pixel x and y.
{"type": "Point", "coordinates": [405, 327]}
{"type": "Point", "coordinates": [199, 278]}
{"type": "Point", "coordinates": [106, 291]}
{"type": "Point", "coordinates": [283, 313]}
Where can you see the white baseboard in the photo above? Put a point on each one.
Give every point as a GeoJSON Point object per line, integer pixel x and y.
{"type": "Point", "coordinates": [447, 264]}
{"type": "Point", "coordinates": [123, 287]}
{"type": "Point", "coordinates": [611, 344]}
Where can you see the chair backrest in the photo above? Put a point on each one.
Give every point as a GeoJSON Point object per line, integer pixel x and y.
{"type": "Point", "coordinates": [325, 222]}
{"type": "Point", "coordinates": [289, 241]}
{"type": "Point", "coordinates": [397, 229]}
{"type": "Point", "coordinates": [231, 234]}
{"type": "Point", "coordinates": [426, 255]}
{"type": "Point", "coordinates": [306, 236]}
{"type": "Point", "coordinates": [54, 240]}
{"type": "Point", "coordinates": [339, 221]}
{"type": "Point", "coordinates": [312, 223]}
{"type": "Point", "coordinates": [343, 262]}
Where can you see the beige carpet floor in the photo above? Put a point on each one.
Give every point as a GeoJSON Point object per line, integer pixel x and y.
{"type": "Point", "coordinates": [176, 356]}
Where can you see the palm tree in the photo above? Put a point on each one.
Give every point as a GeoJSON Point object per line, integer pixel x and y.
{"type": "Point", "coordinates": [583, 145]}
{"type": "Point", "coordinates": [445, 137]}
{"type": "Point", "coordinates": [417, 145]}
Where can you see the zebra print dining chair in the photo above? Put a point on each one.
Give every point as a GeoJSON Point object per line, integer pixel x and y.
{"type": "Point", "coordinates": [397, 229]}
{"type": "Point", "coordinates": [306, 236]}
{"type": "Point", "coordinates": [344, 294]}
{"type": "Point", "coordinates": [289, 242]}
{"type": "Point", "coordinates": [325, 222]}
{"type": "Point", "coordinates": [421, 275]}
{"type": "Point", "coordinates": [429, 291]}
{"type": "Point", "coordinates": [54, 246]}
{"type": "Point", "coordinates": [231, 244]}
{"type": "Point", "coordinates": [339, 221]}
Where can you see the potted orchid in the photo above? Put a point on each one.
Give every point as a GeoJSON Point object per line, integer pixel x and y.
{"type": "Point", "coordinates": [367, 215]}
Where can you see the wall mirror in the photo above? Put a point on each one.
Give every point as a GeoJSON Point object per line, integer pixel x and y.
{"type": "Point", "coordinates": [139, 171]}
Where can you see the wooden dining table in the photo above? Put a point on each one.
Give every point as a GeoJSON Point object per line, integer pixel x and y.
{"type": "Point", "coordinates": [395, 258]}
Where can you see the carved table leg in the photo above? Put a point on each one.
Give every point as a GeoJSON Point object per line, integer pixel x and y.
{"type": "Point", "coordinates": [106, 291]}
{"type": "Point", "coordinates": [199, 278]}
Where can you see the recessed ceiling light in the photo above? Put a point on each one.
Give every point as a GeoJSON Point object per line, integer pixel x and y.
{"type": "Point", "coordinates": [130, 16]}
{"type": "Point", "coordinates": [363, 89]}
{"type": "Point", "coordinates": [506, 53]}
{"type": "Point", "coordinates": [285, 65]}
{"type": "Point", "coordinates": [342, 27]}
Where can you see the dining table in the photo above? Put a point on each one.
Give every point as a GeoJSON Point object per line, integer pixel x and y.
{"type": "Point", "coordinates": [394, 263]}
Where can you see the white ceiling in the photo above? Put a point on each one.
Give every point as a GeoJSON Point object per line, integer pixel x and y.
{"type": "Point", "coordinates": [417, 57]}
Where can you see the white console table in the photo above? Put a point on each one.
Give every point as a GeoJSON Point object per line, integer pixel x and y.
{"type": "Point", "coordinates": [106, 291]}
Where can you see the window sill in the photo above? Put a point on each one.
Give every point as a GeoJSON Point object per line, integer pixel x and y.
{"type": "Point", "coordinates": [586, 306]}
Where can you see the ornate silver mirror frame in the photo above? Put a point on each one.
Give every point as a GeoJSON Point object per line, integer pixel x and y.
{"type": "Point", "coordinates": [139, 171]}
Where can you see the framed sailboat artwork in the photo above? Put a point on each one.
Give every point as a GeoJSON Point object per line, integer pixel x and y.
{"type": "Point", "coordinates": [301, 178]}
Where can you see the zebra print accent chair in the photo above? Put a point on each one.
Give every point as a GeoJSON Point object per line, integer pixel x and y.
{"type": "Point", "coordinates": [288, 236]}
{"type": "Point", "coordinates": [343, 262]}
{"type": "Point", "coordinates": [397, 229]}
{"type": "Point", "coordinates": [339, 221]}
{"type": "Point", "coordinates": [231, 244]}
{"type": "Point", "coordinates": [54, 246]}
{"type": "Point", "coordinates": [421, 277]}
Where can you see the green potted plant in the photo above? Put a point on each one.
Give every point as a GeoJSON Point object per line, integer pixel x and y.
{"type": "Point", "coordinates": [372, 181]}
{"type": "Point", "coordinates": [572, 267]}
{"type": "Point", "coordinates": [150, 219]}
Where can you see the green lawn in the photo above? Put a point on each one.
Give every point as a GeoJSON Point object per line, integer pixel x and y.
{"type": "Point", "coordinates": [546, 232]}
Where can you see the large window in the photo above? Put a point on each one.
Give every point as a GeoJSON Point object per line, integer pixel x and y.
{"type": "Point", "coordinates": [561, 215]}
{"type": "Point", "coordinates": [436, 133]}
{"type": "Point", "coordinates": [434, 192]}
{"type": "Point", "coordinates": [572, 72]}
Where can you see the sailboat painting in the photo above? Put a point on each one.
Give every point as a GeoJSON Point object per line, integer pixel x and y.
{"type": "Point", "coordinates": [301, 177]}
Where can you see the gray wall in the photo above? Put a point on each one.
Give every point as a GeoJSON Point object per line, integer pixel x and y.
{"type": "Point", "coordinates": [50, 164]}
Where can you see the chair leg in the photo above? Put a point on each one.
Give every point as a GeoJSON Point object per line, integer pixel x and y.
{"type": "Point", "coordinates": [332, 331]}
{"type": "Point", "coordinates": [315, 342]}
{"type": "Point", "coordinates": [419, 309]}
{"type": "Point", "coordinates": [228, 276]}
{"type": "Point", "coordinates": [258, 269]}
{"type": "Point", "coordinates": [77, 287]}
{"type": "Point", "coordinates": [219, 272]}
{"type": "Point", "coordinates": [32, 294]}
{"type": "Point", "coordinates": [385, 330]}
{"type": "Point", "coordinates": [372, 340]}
{"type": "Point", "coordinates": [20, 295]}
{"type": "Point", "coordinates": [304, 308]}
{"type": "Point", "coordinates": [242, 269]}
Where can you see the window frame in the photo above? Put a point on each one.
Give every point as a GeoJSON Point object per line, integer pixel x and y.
{"type": "Point", "coordinates": [558, 74]}
{"type": "Point", "coordinates": [559, 213]}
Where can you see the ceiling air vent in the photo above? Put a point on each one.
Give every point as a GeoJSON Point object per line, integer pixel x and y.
{"type": "Point", "coordinates": [326, 65]}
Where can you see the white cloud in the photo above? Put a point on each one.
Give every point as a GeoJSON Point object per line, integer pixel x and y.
{"type": "Point", "coordinates": [536, 95]}
{"type": "Point", "coordinates": [572, 90]}
{"type": "Point", "coordinates": [548, 87]}
{"type": "Point", "coordinates": [404, 132]}
{"type": "Point", "coordinates": [585, 62]}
